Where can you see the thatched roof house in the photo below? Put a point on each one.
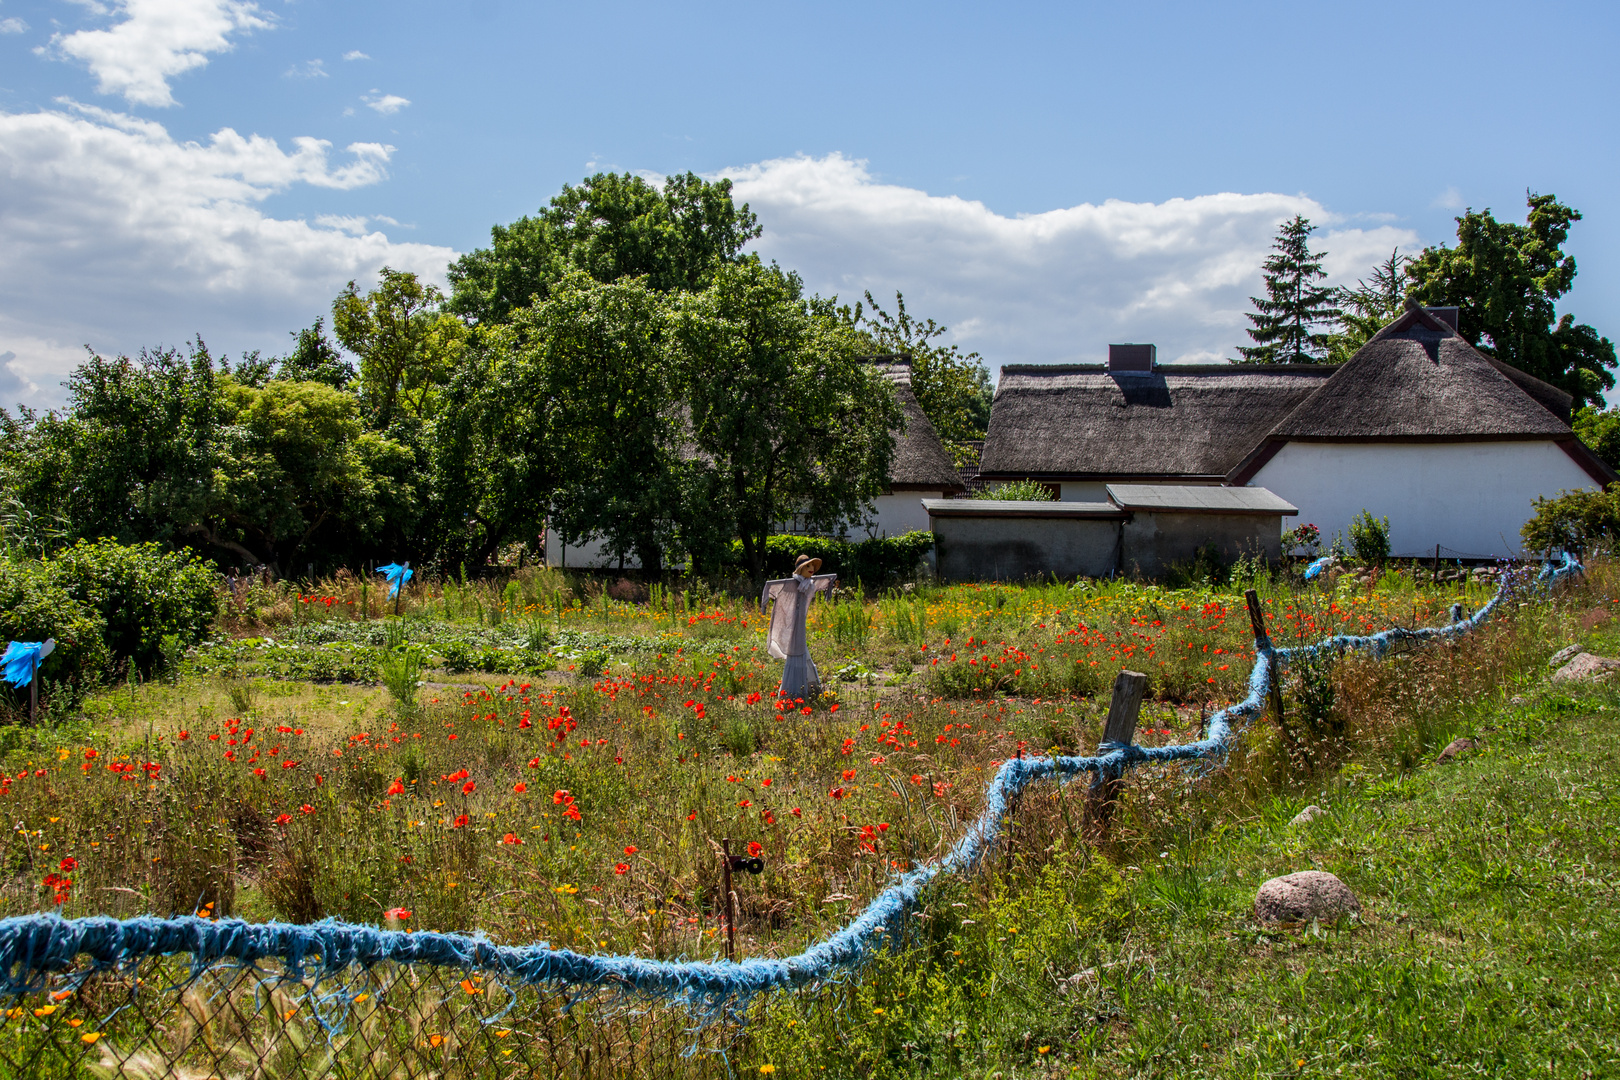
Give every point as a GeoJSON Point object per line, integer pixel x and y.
{"type": "Point", "coordinates": [1419, 426]}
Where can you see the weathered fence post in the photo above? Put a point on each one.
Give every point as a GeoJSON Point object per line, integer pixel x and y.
{"type": "Point", "coordinates": [1262, 641]}
{"type": "Point", "coordinates": [731, 900]}
{"type": "Point", "coordinates": [1118, 732]}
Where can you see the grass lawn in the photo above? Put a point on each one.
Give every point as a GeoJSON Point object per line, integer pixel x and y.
{"type": "Point", "coordinates": [572, 760]}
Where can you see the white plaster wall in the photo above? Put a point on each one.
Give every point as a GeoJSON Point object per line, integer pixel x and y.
{"type": "Point", "coordinates": [1470, 497]}
{"type": "Point", "coordinates": [900, 512]}
{"type": "Point", "coordinates": [592, 553]}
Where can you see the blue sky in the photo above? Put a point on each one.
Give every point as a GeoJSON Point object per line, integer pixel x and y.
{"type": "Point", "coordinates": [1044, 178]}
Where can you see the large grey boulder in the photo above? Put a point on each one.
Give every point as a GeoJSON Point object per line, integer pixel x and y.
{"type": "Point", "coordinates": [1299, 898]}
{"type": "Point", "coordinates": [1585, 668]}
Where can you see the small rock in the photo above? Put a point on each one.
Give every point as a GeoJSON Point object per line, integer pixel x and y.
{"type": "Point", "coordinates": [1455, 749]}
{"type": "Point", "coordinates": [1308, 815]}
{"type": "Point", "coordinates": [1302, 897]}
{"type": "Point", "coordinates": [1585, 668]}
{"type": "Point", "coordinates": [1564, 656]}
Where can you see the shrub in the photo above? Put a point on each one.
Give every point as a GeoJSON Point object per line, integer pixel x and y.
{"type": "Point", "coordinates": [1023, 491]}
{"type": "Point", "coordinates": [1369, 538]}
{"type": "Point", "coordinates": [1301, 539]}
{"type": "Point", "coordinates": [875, 562]}
{"type": "Point", "coordinates": [141, 592]}
{"type": "Point", "coordinates": [34, 608]}
{"type": "Point", "coordinates": [1574, 521]}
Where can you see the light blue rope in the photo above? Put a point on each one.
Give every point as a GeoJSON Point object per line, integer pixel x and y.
{"type": "Point", "coordinates": [20, 661]}
{"type": "Point", "coordinates": [34, 946]}
{"type": "Point", "coordinates": [397, 575]}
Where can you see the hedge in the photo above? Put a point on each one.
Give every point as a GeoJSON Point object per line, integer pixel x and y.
{"type": "Point", "coordinates": [875, 562]}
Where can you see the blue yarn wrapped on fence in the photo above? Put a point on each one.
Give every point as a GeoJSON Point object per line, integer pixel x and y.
{"type": "Point", "coordinates": [397, 575]}
{"type": "Point", "coordinates": [32, 947]}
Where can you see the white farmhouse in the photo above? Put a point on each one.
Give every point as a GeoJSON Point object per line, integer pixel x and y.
{"type": "Point", "coordinates": [1451, 446]}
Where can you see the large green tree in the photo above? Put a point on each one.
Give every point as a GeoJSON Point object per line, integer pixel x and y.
{"type": "Point", "coordinates": [618, 427]}
{"type": "Point", "coordinates": [953, 388]}
{"type": "Point", "coordinates": [176, 449]}
{"type": "Point", "coordinates": [785, 418]}
{"type": "Point", "coordinates": [1290, 323]}
{"type": "Point", "coordinates": [407, 343]}
{"type": "Point", "coordinates": [609, 227]}
{"type": "Point", "coordinates": [1506, 280]}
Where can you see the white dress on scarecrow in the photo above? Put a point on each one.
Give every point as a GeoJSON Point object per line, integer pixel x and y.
{"type": "Point", "coordinates": [792, 596]}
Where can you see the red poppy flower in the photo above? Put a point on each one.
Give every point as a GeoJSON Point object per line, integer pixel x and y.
{"type": "Point", "coordinates": [461, 820]}
{"type": "Point", "coordinates": [398, 914]}
{"type": "Point", "coordinates": [511, 838]}
{"type": "Point", "coordinates": [621, 868]}
{"type": "Point", "coordinates": [631, 849]}
{"type": "Point", "coordinates": [755, 848]}
{"type": "Point", "coordinates": [467, 788]}
{"type": "Point", "coordinates": [520, 787]}
{"type": "Point", "coordinates": [397, 787]}
{"type": "Point", "coordinates": [282, 819]}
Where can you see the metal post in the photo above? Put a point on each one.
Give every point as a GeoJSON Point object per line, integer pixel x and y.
{"type": "Point", "coordinates": [399, 593]}
{"type": "Point", "coordinates": [1436, 564]}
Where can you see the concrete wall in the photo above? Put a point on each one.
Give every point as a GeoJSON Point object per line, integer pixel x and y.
{"type": "Point", "coordinates": [1152, 543]}
{"type": "Point", "coordinates": [1469, 497]}
{"type": "Point", "coordinates": [1007, 549]}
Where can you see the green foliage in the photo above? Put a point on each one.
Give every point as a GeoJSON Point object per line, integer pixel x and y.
{"type": "Point", "coordinates": [620, 467]}
{"type": "Point", "coordinates": [315, 359]}
{"type": "Point", "coordinates": [1369, 307]}
{"type": "Point", "coordinates": [851, 624]}
{"type": "Point", "coordinates": [1021, 491]}
{"type": "Point", "coordinates": [1205, 569]}
{"type": "Point", "coordinates": [786, 419]}
{"type": "Point", "coordinates": [408, 346]}
{"type": "Point", "coordinates": [1599, 429]}
{"type": "Point", "coordinates": [1369, 538]}
{"type": "Point", "coordinates": [952, 388]}
{"type": "Point", "coordinates": [142, 595]}
{"type": "Point", "coordinates": [610, 227]}
{"type": "Point", "coordinates": [875, 562]}
{"type": "Point", "coordinates": [1506, 279]}
{"type": "Point", "coordinates": [1577, 521]}
{"type": "Point", "coordinates": [180, 451]}
{"type": "Point", "coordinates": [35, 606]}
{"type": "Point", "coordinates": [1287, 322]}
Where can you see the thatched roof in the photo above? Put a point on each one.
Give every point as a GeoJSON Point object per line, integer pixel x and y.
{"type": "Point", "coordinates": [920, 459]}
{"type": "Point", "coordinates": [1415, 381]}
{"type": "Point", "coordinates": [1080, 421]}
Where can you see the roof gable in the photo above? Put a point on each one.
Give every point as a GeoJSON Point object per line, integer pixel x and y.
{"type": "Point", "coordinates": [920, 458]}
{"type": "Point", "coordinates": [1417, 379]}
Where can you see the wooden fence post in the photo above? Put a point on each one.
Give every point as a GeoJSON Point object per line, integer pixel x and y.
{"type": "Point", "coordinates": [1257, 623]}
{"type": "Point", "coordinates": [1119, 730]}
{"type": "Point", "coordinates": [731, 901]}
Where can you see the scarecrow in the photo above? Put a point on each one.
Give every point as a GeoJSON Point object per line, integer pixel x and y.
{"type": "Point", "coordinates": [792, 596]}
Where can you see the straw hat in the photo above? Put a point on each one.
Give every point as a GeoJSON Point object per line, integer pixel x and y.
{"type": "Point", "coordinates": [806, 565]}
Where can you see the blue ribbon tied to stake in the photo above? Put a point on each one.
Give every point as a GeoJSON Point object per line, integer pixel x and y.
{"type": "Point", "coordinates": [22, 660]}
{"type": "Point", "coordinates": [397, 575]}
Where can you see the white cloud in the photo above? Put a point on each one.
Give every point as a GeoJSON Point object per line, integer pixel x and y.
{"type": "Point", "coordinates": [1449, 199]}
{"type": "Point", "coordinates": [1047, 287]}
{"type": "Point", "coordinates": [157, 40]}
{"type": "Point", "coordinates": [117, 235]}
{"type": "Point", "coordinates": [387, 104]}
{"type": "Point", "coordinates": [15, 385]}
{"type": "Point", "coordinates": [12, 26]}
{"type": "Point", "coordinates": [309, 69]}
{"type": "Point", "coordinates": [355, 54]}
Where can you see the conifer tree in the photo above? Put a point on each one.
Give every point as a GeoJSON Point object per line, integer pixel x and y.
{"type": "Point", "coordinates": [1291, 324]}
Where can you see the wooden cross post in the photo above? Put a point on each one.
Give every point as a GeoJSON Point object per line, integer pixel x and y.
{"type": "Point", "coordinates": [731, 900]}
{"type": "Point", "coordinates": [1257, 623]}
{"type": "Point", "coordinates": [399, 593]}
{"type": "Point", "coordinates": [1119, 730]}
{"type": "Point", "coordinates": [33, 695]}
